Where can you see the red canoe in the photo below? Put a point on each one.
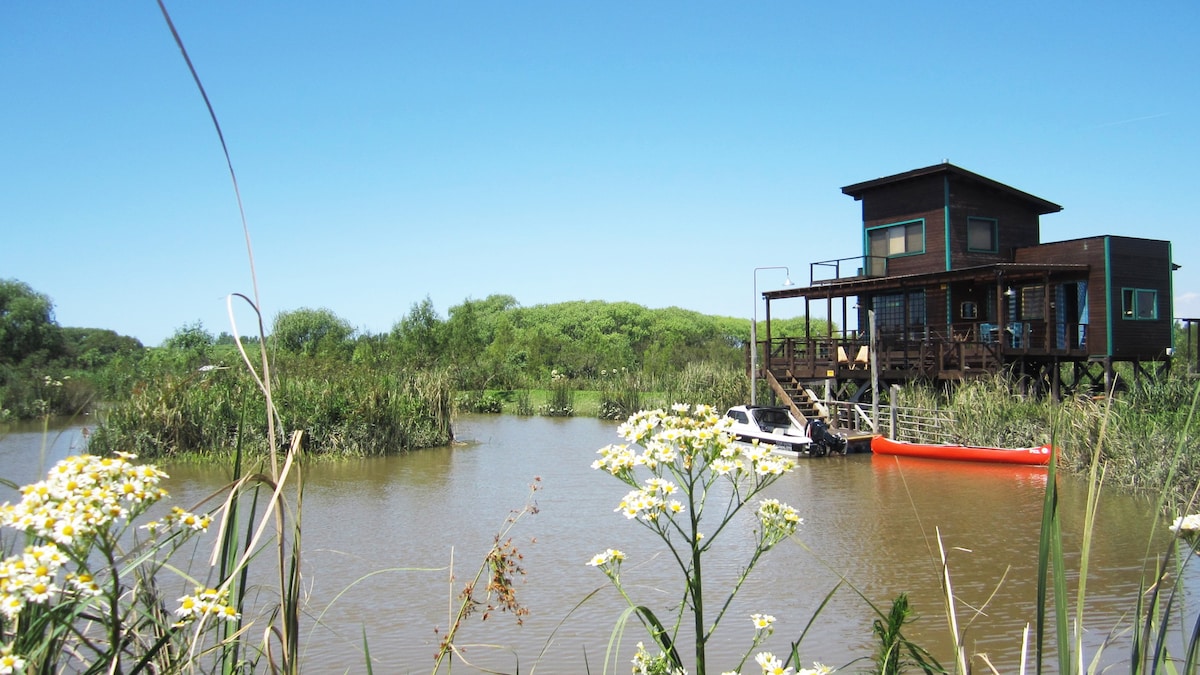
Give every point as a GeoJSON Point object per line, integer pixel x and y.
{"type": "Point", "coordinates": [1038, 456]}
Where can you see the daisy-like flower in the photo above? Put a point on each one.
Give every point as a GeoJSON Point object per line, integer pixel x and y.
{"type": "Point", "coordinates": [84, 584]}
{"type": "Point", "coordinates": [756, 452]}
{"type": "Point", "coordinates": [10, 662]}
{"type": "Point", "coordinates": [610, 555]}
{"type": "Point", "coordinates": [762, 621]}
{"type": "Point", "coordinates": [39, 590]}
{"type": "Point", "coordinates": [206, 602]}
{"type": "Point", "coordinates": [186, 519]}
{"type": "Point", "coordinates": [771, 466]}
{"type": "Point", "coordinates": [11, 605]}
{"type": "Point", "coordinates": [723, 466]}
{"type": "Point", "coordinates": [817, 669]}
{"type": "Point", "coordinates": [615, 459]}
{"type": "Point", "coordinates": [661, 486]}
{"type": "Point", "coordinates": [771, 665]}
{"type": "Point", "coordinates": [1187, 526]}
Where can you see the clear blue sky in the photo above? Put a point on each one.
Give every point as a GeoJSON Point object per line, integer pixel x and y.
{"type": "Point", "coordinates": [651, 152]}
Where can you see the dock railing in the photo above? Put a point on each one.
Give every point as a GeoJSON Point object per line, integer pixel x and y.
{"type": "Point", "coordinates": [903, 423]}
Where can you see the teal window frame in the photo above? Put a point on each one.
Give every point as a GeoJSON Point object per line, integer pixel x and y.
{"type": "Point", "coordinates": [879, 230]}
{"type": "Point", "coordinates": [1139, 304]}
{"type": "Point", "coordinates": [995, 234]}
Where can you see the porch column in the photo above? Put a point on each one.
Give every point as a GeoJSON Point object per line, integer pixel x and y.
{"type": "Point", "coordinates": [767, 352]}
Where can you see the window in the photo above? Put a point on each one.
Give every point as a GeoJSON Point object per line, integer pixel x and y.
{"type": "Point", "coordinates": [981, 235]}
{"type": "Point", "coordinates": [899, 239]}
{"type": "Point", "coordinates": [890, 314]}
{"type": "Point", "coordinates": [969, 310]}
{"type": "Point", "coordinates": [1033, 303]}
{"type": "Point", "coordinates": [1139, 304]}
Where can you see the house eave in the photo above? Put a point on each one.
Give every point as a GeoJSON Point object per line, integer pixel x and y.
{"type": "Point", "coordinates": [994, 273]}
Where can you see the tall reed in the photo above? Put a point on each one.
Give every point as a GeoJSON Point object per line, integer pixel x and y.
{"type": "Point", "coordinates": [361, 412]}
{"type": "Point", "coordinates": [719, 386]}
{"type": "Point", "coordinates": [1140, 427]}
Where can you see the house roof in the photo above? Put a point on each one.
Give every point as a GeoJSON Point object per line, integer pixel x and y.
{"type": "Point", "coordinates": [994, 273]}
{"type": "Point", "coordinates": [1042, 206]}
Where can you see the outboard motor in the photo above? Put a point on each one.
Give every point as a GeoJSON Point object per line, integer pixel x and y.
{"type": "Point", "coordinates": [823, 440]}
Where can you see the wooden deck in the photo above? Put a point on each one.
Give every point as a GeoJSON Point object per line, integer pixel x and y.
{"type": "Point", "coordinates": [932, 359]}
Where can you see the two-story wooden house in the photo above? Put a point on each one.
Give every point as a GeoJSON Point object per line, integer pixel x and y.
{"type": "Point", "coordinates": [957, 283]}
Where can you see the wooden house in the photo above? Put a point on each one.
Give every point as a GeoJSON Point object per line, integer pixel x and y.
{"type": "Point", "coordinates": [954, 282]}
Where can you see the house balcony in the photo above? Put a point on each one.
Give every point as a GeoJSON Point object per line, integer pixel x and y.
{"type": "Point", "coordinates": [965, 350]}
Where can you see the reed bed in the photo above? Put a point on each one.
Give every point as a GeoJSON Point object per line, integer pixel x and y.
{"type": "Point", "coordinates": [1141, 427]}
{"type": "Point", "coordinates": [357, 412]}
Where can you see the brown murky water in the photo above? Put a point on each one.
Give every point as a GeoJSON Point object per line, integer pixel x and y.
{"type": "Point", "coordinates": [381, 535]}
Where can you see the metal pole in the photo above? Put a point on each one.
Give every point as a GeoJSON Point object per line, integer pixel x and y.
{"type": "Point", "coordinates": [754, 330]}
{"type": "Point", "coordinates": [874, 372]}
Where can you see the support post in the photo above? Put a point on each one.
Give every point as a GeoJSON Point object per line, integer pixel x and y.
{"type": "Point", "coordinates": [754, 330]}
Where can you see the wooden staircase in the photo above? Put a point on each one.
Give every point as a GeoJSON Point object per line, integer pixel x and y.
{"type": "Point", "coordinates": [802, 401]}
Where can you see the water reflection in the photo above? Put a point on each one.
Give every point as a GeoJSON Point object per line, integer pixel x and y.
{"type": "Point", "coordinates": [29, 449]}
{"type": "Point", "coordinates": [383, 536]}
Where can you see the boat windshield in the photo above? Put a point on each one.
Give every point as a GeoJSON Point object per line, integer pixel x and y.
{"type": "Point", "coordinates": [774, 418]}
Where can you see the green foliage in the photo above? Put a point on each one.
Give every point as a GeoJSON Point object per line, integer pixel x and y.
{"type": "Point", "coordinates": [418, 338]}
{"type": "Point", "coordinates": [524, 403]}
{"type": "Point", "coordinates": [621, 394]}
{"type": "Point", "coordinates": [311, 332]}
{"type": "Point", "coordinates": [716, 385]}
{"type": "Point", "coordinates": [897, 654]}
{"type": "Point", "coordinates": [1139, 426]}
{"type": "Point", "coordinates": [562, 398]}
{"type": "Point", "coordinates": [189, 347]}
{"type": "Point", "coordinates": [350, 411]}
{"type": "Point", "coordinates": [95, 348]}
{"type": "Point", "coordinates": [479, 402]}
{"type": "Point", "coordinates": [28, 331]}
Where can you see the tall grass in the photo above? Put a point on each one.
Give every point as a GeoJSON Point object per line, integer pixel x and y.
{"type": "Point", "coordinates": [360, 412]}
{"type": "Point", "coordinates": [1135, 430]}
{"type": "Point", "coordinates": [622, 393]}
{"type": "Point", "coordinates": [709, 383]}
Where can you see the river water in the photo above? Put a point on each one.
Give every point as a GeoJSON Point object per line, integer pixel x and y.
{"type": "Point", "coordinates": [383, 536]}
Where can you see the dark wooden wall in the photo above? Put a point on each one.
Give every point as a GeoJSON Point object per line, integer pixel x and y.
{"type": "Point", "coordinates": [918, 198]}
{"type": "Point", "coordinates": [1017, 223]}
{"type": "Point", "coordinates": [1128, 262]}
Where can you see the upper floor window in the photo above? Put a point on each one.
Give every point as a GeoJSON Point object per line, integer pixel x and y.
{"type": "Point", "coordinates": [905, 238]}
{"type": "Point", "coordinates": [981, 235]}
{"type": "Point", "coordinates": [1139, 303]}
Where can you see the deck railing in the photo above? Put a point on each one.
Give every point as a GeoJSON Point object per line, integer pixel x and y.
{"type": "Point", "coordinates": [924, 352]}
{"type": "Point", "coordinates": [840, 268]}
{"type": "Point", "coordinates": [917, 425]}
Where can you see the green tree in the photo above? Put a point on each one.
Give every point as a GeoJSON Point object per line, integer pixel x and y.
{"type": "Point", "coordinates": [311, 332]}
{"type": "Point", "coordinates": [91, 348]}
{"type": "Point", "coordinates": [28, 332]}
{"type": "Point", "coordinates": [190, 346]}
{"type": "Point", "coordinates": [471, 342]}
{"type": "Point", "coordinates": [419, 337]}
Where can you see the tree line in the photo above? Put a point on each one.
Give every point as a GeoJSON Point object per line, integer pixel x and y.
{"type": "Point", "coordinates": [489, 344]}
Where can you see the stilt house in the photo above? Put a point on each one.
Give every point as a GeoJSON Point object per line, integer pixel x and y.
{"type": "Point", "coordinates": [954, 282]}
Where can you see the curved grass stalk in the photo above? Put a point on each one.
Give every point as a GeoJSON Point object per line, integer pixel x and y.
{"type": "Point", "coordinates": [287, 630]}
